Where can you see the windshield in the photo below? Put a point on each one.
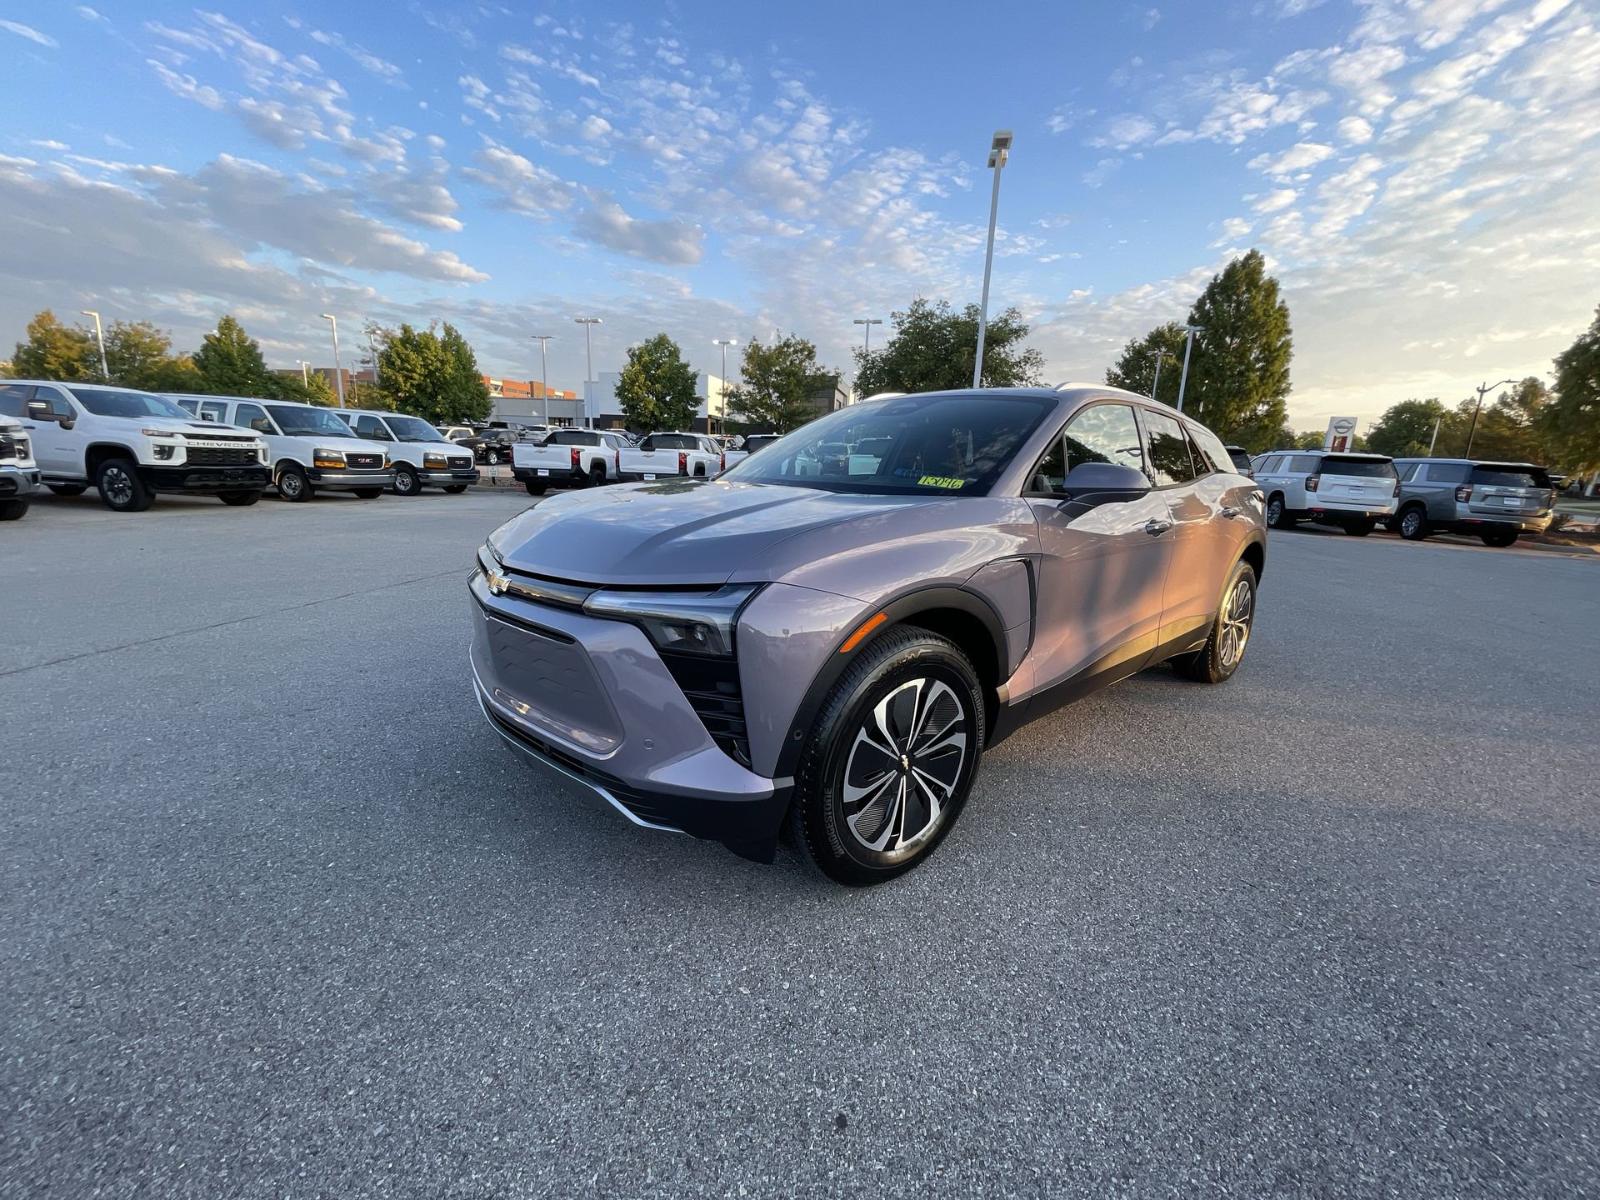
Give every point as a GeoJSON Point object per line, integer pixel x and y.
{"type": "Point", "coordinates": [1519, 477]}
{"type": "Point", "coordinates": [103, 402]}
{"type": "Point", "coordinates": [308, 422]}
{"type": "Point", "coordinates": [919, 445]}
{"type": "Point", "coordinates": [1358, 468]}
{"type": "Point", "coordinates": [413, 429]}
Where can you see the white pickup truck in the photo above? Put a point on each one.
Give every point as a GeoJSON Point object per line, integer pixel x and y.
{"type": "Point", "coordinates": [568, 458]}
{"type": "Point", "coordinates": [662, 455]}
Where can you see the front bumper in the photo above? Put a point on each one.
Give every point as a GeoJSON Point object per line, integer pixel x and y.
{"type": "Point", "coordinates": [206, 479]}
{"type": "Point", "coordinates": [590, 700]}
{"type": "Point", "coordinates": [351, 480]}
{"type": "Point", "coordinates": [16, 482]}
{"type": "Point", "coordinates": [447, 478]}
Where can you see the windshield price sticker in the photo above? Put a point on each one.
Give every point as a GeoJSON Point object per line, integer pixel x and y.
{"type": "Point", "coordinates": [942, 481]}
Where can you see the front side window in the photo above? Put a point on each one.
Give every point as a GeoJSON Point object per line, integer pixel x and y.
{"type": "Point", "coordinates": [297, 421]}
{"type": "Point", "coordinates": [372, 429]}
{"type": "Point", "coordinates": [1169, 451]}
{"type": "Point", "coordinates": [950, 445]}
{"type": "Point", "coordinates": [1104, 433]}
{"type": "Point", "coordinates": [253, 416]}
{"type": "Point", "coordinates": [104, 402]}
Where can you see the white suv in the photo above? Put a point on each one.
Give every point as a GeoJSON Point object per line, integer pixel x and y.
{"type": "Point", "coordinates": [421, 455]}
{"type": "Point", "coordinates": [1353, 491]}
{"type": "Point", "coordinates": [309, 448]}
{"type": "Point", "coordinates": [131, 445]}
{"type": "Point", "coordinates": [18, 476]}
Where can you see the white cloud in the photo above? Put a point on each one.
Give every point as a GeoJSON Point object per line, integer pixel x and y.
{"type": "Point", "coordinates": [368, 61]}
{"type": "Point", "coordinates": [29, 32]}
{"type": "Point", "coordinates": [667, 241]}
{"type": "Point", "coordinates": [1275, 201]}
{"type": "Point", "coordinates": [1292, 161]}
{"type": "Point", "coordinates": [1356, 131]}
{"type": "Point", "coordinates": [1125, 130]}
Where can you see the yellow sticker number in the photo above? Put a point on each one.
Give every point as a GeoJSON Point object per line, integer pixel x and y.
{"type": "Point", "coordinates": [942, 481]}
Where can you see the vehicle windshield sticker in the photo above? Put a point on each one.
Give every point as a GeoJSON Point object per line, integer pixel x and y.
{"type": "Point", "coordinates": [941, 481]}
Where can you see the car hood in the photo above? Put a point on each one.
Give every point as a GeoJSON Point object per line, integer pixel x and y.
{"type": "Point", "coordinates": [677, 531]}
{"type": "Point", "coordinates": [194, 429]}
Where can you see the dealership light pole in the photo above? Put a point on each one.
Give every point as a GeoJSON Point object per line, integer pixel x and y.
{"type": "Point", "coordinates": [999, 151]}
{"type": "Point", "coordinates": [305, 371]}
{"type": "Point", "coordinates": [1473, 431]}
{"type": "Point", "coordinates": [100, 337]}
{"type": "Point", "coordinates": [722, 384]}
{"type": "Point", "coordinates": [338, 375]}
{"type": "Point", "coordinates": [1188, 345]}
{"type": "Point", "coordinates": [372, 345]}
{"type": "Point", "coordinates": [544, 372]}
{"type": "Point", "coordinates": [1161, 356]}
{"type": "Point", "coordinates": [588, 324]}
{"type": "Point", "coordinates": [869, 322]}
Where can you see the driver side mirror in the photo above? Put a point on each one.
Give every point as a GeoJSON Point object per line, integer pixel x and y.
{"type": "Point", "coordinates": [261, 425]}
{"type": "Point", "coordinates": [40, 410]}
{"type": "Point", "coordinates": [1095, 483]}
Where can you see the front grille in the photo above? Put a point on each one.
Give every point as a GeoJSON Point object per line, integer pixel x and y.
{"type": "Point", "coordinates": [711, 686]}
{"type": "Point", "coordinates": [463, 463]}
{"type": "Point", "coordinates": [363, 462]}
{"type": "Point", "coordinates": [210, 456]}
{"type": "Point", "coordinates": [13, 447]}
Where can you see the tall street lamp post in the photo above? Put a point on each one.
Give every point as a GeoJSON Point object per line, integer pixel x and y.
{"type": "Point", "coordinates": [305, 371]}
{"type": "Point", "coordinates": [1188, 345]}
{"type": "Point", "coordinates": [544, 373]}
{"type": "Point", "coordinates": [100, 337]}
{"type": "Point", "coordinates": [1161, 356]}
{"type": "Point", "coordinates": [372, 345]}
{"type": "Point", "coordinates": [1481, 389]}
{"type": "Point", "coordinates": [999, 151]}
{"type": "Point", "coordinates": [868, 322]}
{"type": "Point", "coordinates": [588, 324]}
{"type": "Point", "coordinates": [338, 373]}
{"type": "Point", "coordinates": [722, 385]}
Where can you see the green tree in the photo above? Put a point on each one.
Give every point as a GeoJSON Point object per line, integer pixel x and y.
{"type": "Point", "coordinates": [1135, 368]}
{"type": "Point", "coordinates": [1310, 439]}
{"type": "Point", "coordinates": [776, 383]}
{"type": "Point", "coordinates": [432, 375]}
{"type": "Point", "coordinates": [933, 347]}
{"type": "Point", "coordinates": [1239, 368]}
{"type": "Point", "coordinates": [56, 351]}
{"type": "Point", "coordinates": [229, 362]}
{"type": "Point", "coordinates": [139, 355]}
{"type": "Point", "coordinates": [1509, 429]}
{"type": "Point", "coordinates": [1405, 430]}
{"type": "Point", "coordinates": [1570, 423]}
{"type": "Point", "coordinates": [656, 388]}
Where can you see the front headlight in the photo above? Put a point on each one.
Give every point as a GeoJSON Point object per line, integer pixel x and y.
{"type": "Point", "coordinates": [161, 433]}
{"type": "Point", "coordinates": [678, 622]}
{"type": "Point", "coordinates": [327, 458]}
{"type": "Point", "coordinates": [434, 462]}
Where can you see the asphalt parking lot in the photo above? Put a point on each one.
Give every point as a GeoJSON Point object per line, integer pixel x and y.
{"type": "Point", "coordinates": [281, 917]}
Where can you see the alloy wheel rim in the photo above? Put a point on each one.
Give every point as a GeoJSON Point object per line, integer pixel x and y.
{"type": "Point", "coordinates": [1410, 522]}
{"type": "Point", "coordinates": [904, 766]}
{"type": "Point", "coordinates": [1236, 615]}
{"type": "Point", "coordinates": [119, 488]}
{"type": "Point", "coordinates": [402, 483]}
{"type": "Point", "coordinates": [1275, 512]}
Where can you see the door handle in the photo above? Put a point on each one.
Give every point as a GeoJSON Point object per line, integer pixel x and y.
{"type": "Point", "coordinates": [1230, 513]}
{"type": "Point", "coordinates": [1155, 528]}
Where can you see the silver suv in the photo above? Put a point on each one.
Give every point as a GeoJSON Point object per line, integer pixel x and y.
{"type": "Point", "coordinates": [1496, 501]}
{"type": "Point", "coordinates": [834, 630]}
{"type": "Point", "coordinates": [1352, 491]}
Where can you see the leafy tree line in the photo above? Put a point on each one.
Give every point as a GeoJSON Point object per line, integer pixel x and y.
{"type": "Point", "coordinates": [433, 374]}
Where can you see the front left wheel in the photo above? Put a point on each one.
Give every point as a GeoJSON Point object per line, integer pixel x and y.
{"type": "Point", "coordinates": [1230, 631]}
{"type": "Point", "coordinates": [120, 486]}
{"type": "Point", "coordinates": [891, 758]}
{"type": "Point", "coordinates": [406, 482]}
{"type": "Point", "coordinates": [13, 509]}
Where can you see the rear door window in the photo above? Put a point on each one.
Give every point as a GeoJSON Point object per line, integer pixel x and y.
{"type": "Point", "coordinates": [1167, 451]}
{"type": "Point", "coordinates": [1303, 464]}
{"type": "Point", "coordinates": [1519, 477]}
{"type": "Point", "coordinates": [1358, 468]}
{"type": "Point", "coordinates": [1409, 472]}
{"type": "Point", "coordinates": [14, 399]}
{"type": "Point", "coordinates": [215, 409]}
{"type": "Point", "coordinates": [1448, 472]}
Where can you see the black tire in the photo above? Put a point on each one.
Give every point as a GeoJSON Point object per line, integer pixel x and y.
{"type": "Point", "coordinates": [535, 489]}
{"type": "Point", "coordinates": [120, 486]}
{"type": "Point", "coordinates": [455, 489]}
{"type": "Point", "coordinates": [239, 499]}
{"type": "Point", "coordinates": [293, 485]}
{"type": "Point", "coordinates": [597, 475]}
{"type": "Point", "coordinates": [68, 489]}
{"type": "Point", "coordinates": [1277, 515]}
{"type": "Point", "coordinates": [493, 458]}
{"type": "Point", "coordinates": [406, 482]}
{"type": "Point", "coordinates": [863, 839]}
{"type": "Point", "coordinates": [1412, 523]}
{"type": "Point", "coordinates": [1500, 538]}
{"type": "Point", "coordinates": [12, 509]}
{"type": "Point", "coordinates": [1360, 528]}
{"type": "Point", "coordinates": [1230, 631]}
{"type": "Point", "coordinates": [367, 493]}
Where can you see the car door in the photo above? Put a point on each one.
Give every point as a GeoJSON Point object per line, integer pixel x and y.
{"type": "Point", "coordinates": [1191, 588]}
{"type": "Point", "coordinates": [56, 450]}
{"type": "Point", "coordinates": [1102, 566]}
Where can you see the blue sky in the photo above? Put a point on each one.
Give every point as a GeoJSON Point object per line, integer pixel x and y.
{"type": "Point", "coordinates": [1420, 173]}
